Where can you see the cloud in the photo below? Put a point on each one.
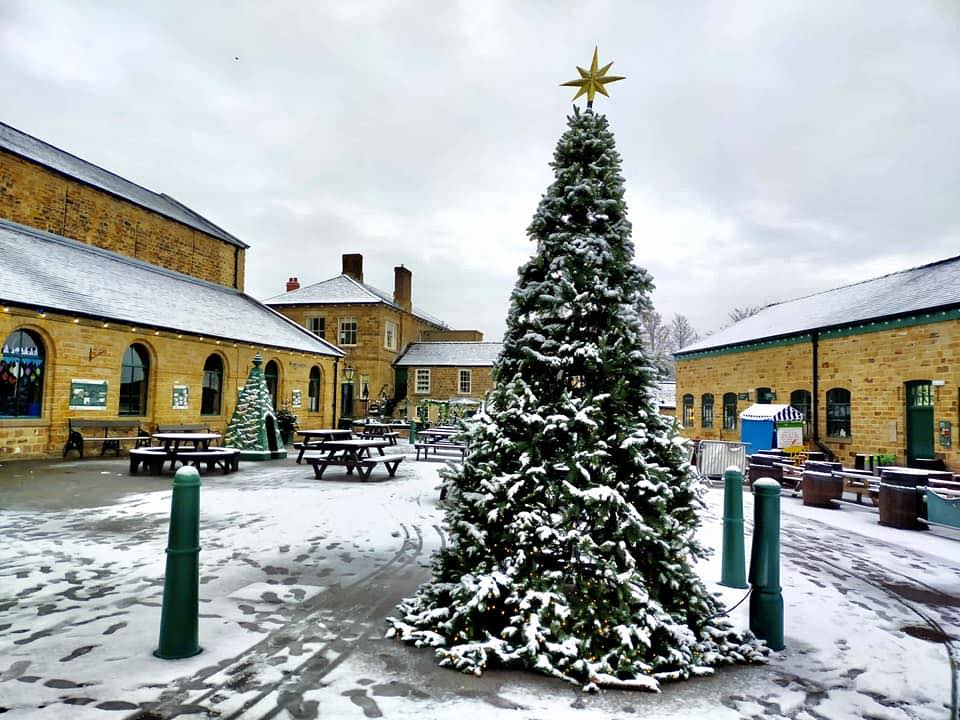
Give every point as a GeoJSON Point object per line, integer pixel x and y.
{"type": "Point", "coordinates": [770, 150]}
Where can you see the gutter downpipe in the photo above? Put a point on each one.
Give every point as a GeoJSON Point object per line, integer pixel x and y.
{"type": "Point", "coordinates": [815, 341]}
{"type": "Point", "coordinates": [336, 361]}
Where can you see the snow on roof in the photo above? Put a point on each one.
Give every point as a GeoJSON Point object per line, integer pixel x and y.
{"type": "Point", "coordinates": [47, 271]}
{"type": "Point", "coordinates": [343, 290]}
{"type": "Point", "coordinates": [775, 413]}
{"type": "Point", "coordinates": [453, 354]}
{"type": "Point", "coordinates": [908, 291]}
{"type": "Point", "coordinates": [35, 150]}
{"type": "Point", "coordinates": [666, 394]}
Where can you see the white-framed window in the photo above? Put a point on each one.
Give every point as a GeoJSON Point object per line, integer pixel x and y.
{"type": "Point", "coordinates": [390, 335]}
{"type": "Point", "coordinates": [364, 387]}
{"type": "Point", "coordinates": [422, 381]}
{"type": "Point", "coordinates": [464, 384]}
{"type": "Point", "coordinates": [348, 331]}
{"type": "Point", "coordinates": [318, 326]}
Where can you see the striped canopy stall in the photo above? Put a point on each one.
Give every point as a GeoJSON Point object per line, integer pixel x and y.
{"type": "Point", "coordinates": [759, 422]}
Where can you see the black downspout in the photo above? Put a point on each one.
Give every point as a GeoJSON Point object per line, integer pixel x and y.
{"type": "Point", "coordinates": [335, 362]}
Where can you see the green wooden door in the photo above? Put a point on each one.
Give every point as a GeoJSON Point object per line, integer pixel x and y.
{"type": "Point", "coordinates": [919, 420]}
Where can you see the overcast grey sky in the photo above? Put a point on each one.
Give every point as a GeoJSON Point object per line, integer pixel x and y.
{"type": "Point", "coordinates": [770, 148]}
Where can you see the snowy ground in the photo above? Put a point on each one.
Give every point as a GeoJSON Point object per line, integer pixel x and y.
{"type": "Point", "coordinates": [297, 577]}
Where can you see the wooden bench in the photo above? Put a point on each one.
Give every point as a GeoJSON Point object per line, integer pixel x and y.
{"type": "Point", "coordinates": [427, 447]}
{"type": "Point", "coordinates": [153, 458]}
{"type": "Point", "coordinates": [194, 427]}
{"type": "Point", "coordinates": [364, 467]}
{"type": "Point", "coordinates": [391, 436]}
{"type": "Point", "coordinates": [150, 458]}
{"type": "Point", "coordinates": [84, 431]}
{"type": "Point", "coordinates": [228, 459]}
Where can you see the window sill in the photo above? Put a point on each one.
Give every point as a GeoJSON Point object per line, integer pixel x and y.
{"type": "Point", "coordinates": [847, 439]}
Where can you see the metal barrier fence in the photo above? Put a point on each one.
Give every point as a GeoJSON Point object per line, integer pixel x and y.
{"type": "Point", "coordinates": [715, 456]}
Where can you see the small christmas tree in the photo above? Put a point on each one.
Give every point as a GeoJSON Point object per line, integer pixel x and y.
{"type": "Point", "coordinates": [573, 517]}
{"type": "Point", "coordinates": [253, 427]}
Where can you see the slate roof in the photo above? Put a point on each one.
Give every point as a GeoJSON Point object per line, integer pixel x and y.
{"type": "Point", "coordinates": [927, 287]}
{"type": "Point", "coordinates": [35, 150]}
{"type": "Point", "coordinates": [42, 270]}
{"type": "Point", "coordinates": [449, 354]}
{"type": "Point", "coordinates": [666, 394]}
{"type": "Point", "coordinates": [343, 290]}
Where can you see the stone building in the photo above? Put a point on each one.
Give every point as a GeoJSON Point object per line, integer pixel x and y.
{"type": "Point", "coordinates": [666, 392]}
{"type": "Point", "coordinates": [371, 326]}
{"type": "Point", "coordinates": [874, 367]}
{"type": "Point", "coordinates": [449, 372]}
{"type": "Point", "coordinates": [118, 303]}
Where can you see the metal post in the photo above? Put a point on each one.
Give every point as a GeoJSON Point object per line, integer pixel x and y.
{"type": "Point", "coordinates": [178, 619]}
{"type": "Point", "coordinates": [766, 599]}
{"type": "Point", "coordinates": [413, 431]}
{"type": "Point", "coordinates": [734, 572]}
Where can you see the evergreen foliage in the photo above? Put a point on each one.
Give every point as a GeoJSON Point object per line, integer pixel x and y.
{"type": "Point", "coordinates": [247, 429]}
{"type": "Point", "coordinates": [573, 517]}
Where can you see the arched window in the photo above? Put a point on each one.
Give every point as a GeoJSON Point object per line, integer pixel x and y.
{"type": "Point", "coordinates": [688, 410]}
{"type": "Point", "coordinates": [212, 386]}
{"type": "Point", "coordinates": [314, 390]}
{"type": "Point", "coordinates": [134, 378]}
{"type": "Point", "coordinates": [801, 400]}
{"type": "Point", "coordinates": [271, 374]}
{"type": "Point", "coordinates": [765, 395]}
{"type": "Point", "coordinates": [706, 410]}
{"type": "Point", "coordinates": [838, 412]}
{"type": "Point", "coordinates": [729, 411]}
{"type": "Point", "coordinates": [21, 375]}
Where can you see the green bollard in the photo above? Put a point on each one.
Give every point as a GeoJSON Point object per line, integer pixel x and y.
{"type": "Point", "coordinates": [413, 431]}
{"type": "Point", "coordinates": [178, 619]}
{"type": "Point", "coordinates": [766, 600]}
{"type": "Point", "coordinates": [734, 572]}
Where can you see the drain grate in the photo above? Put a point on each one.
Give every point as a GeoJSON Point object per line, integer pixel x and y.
{"type": "Point", "coordinates": [924, 632]}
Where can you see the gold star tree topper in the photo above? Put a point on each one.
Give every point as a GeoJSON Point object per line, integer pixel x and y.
{"type": "Point", "coordinates": [592, 81]}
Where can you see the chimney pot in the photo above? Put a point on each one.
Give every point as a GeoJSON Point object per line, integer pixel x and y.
{"type": "Point", "coordinates": [353, 266]}
{"type": "Point", "coordinates": [293, 284]}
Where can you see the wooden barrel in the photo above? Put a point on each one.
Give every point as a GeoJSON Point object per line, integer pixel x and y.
{"type": "Point", "coordinates": [900, 506]}
{"type": "Point", "coordinates": [820, 489]}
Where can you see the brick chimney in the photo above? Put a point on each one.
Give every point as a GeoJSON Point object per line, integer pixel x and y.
{"type": "Point", "coordinates": [353, 266]}
{"type": "Point", "coordinates": [402, 282]}
{"type": "Point", "coordinates": [293, 284]}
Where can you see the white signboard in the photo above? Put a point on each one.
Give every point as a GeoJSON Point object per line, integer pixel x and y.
{"type": "Point", "coordinates": [790, 436]}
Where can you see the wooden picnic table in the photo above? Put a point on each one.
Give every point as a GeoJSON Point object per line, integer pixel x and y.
{"type": "Point", "coordinates": [436, 434]}
{"type": "Point", "coordinates": [180, 443]}
{"type": "Point", "coordinates": [354, 454]}
{"type": "Point", "coordinates": [314, 439]}
{"type": "Point", "coordinates": [198, 440]}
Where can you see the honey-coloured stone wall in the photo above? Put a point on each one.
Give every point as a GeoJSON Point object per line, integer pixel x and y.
{"type": "Point", "coordinates": [33, 195]}
{"type": "Point", "coordinates": [89, 351]}
{"type": "Point", "coordinates": [873, 366]}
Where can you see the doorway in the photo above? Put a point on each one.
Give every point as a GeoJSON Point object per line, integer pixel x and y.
{"type": "Point", "coordinates": [919, 420]}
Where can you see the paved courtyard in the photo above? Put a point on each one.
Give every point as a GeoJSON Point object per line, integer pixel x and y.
{"type": "Point", "coordinates": [298, 576]}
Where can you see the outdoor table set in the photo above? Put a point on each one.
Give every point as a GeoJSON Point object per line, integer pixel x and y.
{"type": "Point", "coordinates": [338, 447]}
{"type": "Point", "coordinates": [184, 448]}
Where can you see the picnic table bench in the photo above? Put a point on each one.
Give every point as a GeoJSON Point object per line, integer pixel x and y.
{"type": "Point", "coordinates": [354, 454]}
{"type": "Point", "coordinates": [190, 427]}
{"type": "Point", "coordinates": [440, 445]}
{"type": "Point", "coordinates": [153, 458]}
{"type": "Point", "coordinates": [314, 439]}
{"type": "Point", "coordinates": [84, 431]}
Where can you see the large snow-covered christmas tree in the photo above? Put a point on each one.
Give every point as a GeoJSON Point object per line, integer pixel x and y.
{"type": "Point", "coordinates": [572, 519]}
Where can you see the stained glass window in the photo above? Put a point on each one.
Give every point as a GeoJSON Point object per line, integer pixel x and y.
{"type": "Point", "coordinates": [21, 375]}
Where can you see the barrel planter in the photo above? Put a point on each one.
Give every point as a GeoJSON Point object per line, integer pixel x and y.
{"type": "Point", "coordinates": [821, 489]}
{"type": "Point", "coordinates": [901, 504]}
